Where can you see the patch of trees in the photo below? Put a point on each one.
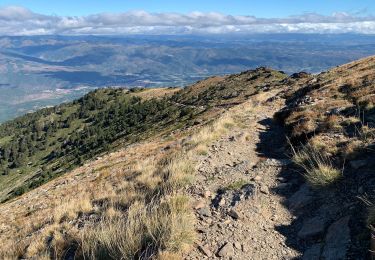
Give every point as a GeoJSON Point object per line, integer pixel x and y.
{"type": "Point", "coordinates": [68, 134]}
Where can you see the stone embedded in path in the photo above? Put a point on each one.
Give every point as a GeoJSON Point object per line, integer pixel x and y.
{"type": "Point", "coordinates": [199, 204]}
{"type": "Point", "coordinates": [221, 202]}
{"type": "Point", "coordinates": [234, 214]}
{"type": "Point", "coordinates": [205, 250]}
{"type": "Point", "coordinates": [228, 197]}
{"type": "Point", "coordinates": [312, 227]}
{"type": "Point", "coordinates": [301, 198]}
{"type": "Point", "coordinates": [205, 212]}
{"type": "Point", "coordinates": [337, 240]}
{"type": "Point", "coordinates": [264, 189]}
{"type": "Point", "coordinates": [226, 251]}
{"type": "Point", "coordinates": [241, 166]}
{"type": "Point", "coordinates": [237, 245]}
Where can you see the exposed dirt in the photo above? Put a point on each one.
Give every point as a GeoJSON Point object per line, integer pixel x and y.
{"type": "Point", "coordinates": [251, 203]}
{"type": "Point", "coordinates": [237, 190]}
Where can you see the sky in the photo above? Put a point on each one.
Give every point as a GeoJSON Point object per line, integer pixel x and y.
{"type": "Point", "coordinates": [35, 17]}
{"type": "Point", "coordinates": [264, 9]}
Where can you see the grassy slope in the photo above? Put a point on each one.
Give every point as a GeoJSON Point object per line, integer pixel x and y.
{"type": "Point", "coordinates": [334, 111]}
{"type": "Point", "coordinates": [135, 181]}
{"type": "Point", "coordinates": [331, 123]}
{"type": "Point", "coordinates": [178, 109]}
{"type": "Point", "coordinates": [38, 168]}
{"type": "Point", "coordinates": [323, 111]}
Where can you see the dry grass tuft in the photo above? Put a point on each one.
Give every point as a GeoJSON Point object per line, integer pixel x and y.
{"type": "Point", "coordinates": [127, 205]}
{"type": "Point", "coordinates": [180, 171]}
{"type": "Point", "coordinates": [144, 230]}
{"type": "Point", "coordinates": [236, 185]}
{"type": "Point", "coordinates": [213, 131]}
{"type": "Point", "coordinates": [332, 123]}
{"type": "Point", "coordinates": [70, 210]}
{"type": "Point", "coordinates": [319, 170]}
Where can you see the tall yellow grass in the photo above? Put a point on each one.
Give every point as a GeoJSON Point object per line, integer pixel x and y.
{"type": "Point", "coordinates": [129, 210]}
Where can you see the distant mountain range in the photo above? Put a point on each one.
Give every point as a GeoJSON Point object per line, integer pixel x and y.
{"type": "Point", "coordinates": [41, 71]}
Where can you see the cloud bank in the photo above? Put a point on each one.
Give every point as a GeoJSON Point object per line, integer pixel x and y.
{"type": "Point", "coordinates": [16, 20]}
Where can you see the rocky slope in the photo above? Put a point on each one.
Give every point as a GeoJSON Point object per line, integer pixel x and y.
{"type": "Point", "coordinates": [269, 167]}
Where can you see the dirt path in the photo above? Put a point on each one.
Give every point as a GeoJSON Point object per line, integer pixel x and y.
{"type": "Point", "coordinates": [237, 194]}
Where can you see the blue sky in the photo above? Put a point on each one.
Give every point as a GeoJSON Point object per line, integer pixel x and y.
{"type": "Point", "coordinates": [265, 8]}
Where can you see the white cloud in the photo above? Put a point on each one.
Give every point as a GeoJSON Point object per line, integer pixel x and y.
{"type": "Point", "coordinates": [15, 20]}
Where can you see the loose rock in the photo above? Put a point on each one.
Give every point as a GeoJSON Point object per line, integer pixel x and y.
{"type": "Point", "coordinates": [205, 250]}
{"type": "Point", "coordinates": [226, 251]}
{"type": "Point", "coordinates": [264, 189]}
{"type": "Point", "coordinates": [234, 214]}
{"type": "Point", "coordinates": [205, 212]}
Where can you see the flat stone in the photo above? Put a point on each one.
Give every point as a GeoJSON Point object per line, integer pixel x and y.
{"type": "Point", "coordinates": [206, 212]}
{"type": "Point", "coordinates": [199, 205]}
{"type": "Point", "coordinates": [301, 198]}
{"type": "Point", "coordinates": [312, 252]}
{"type": "Point", "coordinates": [358, 164]}
{"type": "Point", "coordinates": [337, 240]}
{"type": "Point", "coordinates": [312, 227]}
{"type": "Point", "coordinates": [226, 251]}
{"type": "Point", "coordinates": [237, 245]}
{"type": "Point", "coordinates": [257, 178]}
{"type": "Point", "coordinates": [205, 250]}
{"type": "Point", "coordinates": [264, 189]}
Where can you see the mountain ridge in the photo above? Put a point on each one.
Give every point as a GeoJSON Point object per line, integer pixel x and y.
{"type": "Point", "coordinates": [229, 142]}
